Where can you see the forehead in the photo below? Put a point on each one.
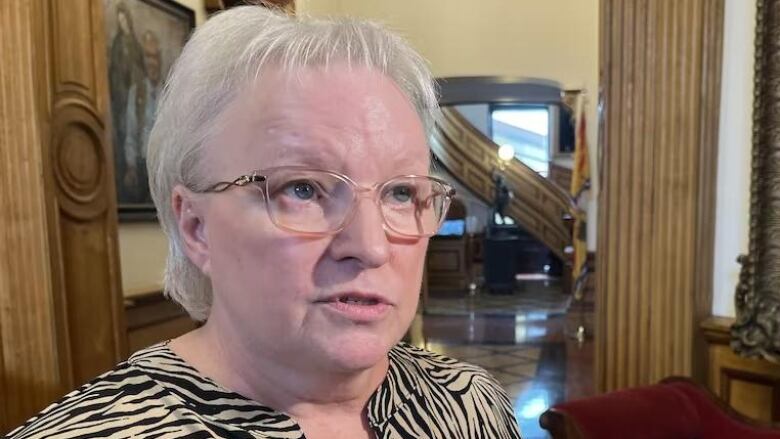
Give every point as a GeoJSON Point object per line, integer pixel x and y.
{"type": "Point", "coordinates": [341, 118]}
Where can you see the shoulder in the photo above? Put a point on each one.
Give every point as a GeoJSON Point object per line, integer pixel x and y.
{"type": "Point", "coordinates": [440, 370]}
{"type": "Point", "coordinates": [110, 403]}
{"type": "Point", "coordinates": [421, 360]}
{"type": "Point", "coordinates": [473, 399]}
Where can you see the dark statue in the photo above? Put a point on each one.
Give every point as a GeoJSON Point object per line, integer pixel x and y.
{"type": "Point", "coordinates": [501, 197]}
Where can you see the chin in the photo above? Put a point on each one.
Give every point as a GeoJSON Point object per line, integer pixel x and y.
{"type": "Point", "coordinates": [359, 351]}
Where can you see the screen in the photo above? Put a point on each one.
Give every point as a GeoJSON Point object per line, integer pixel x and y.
{"type": "Point", "coordinates": [454, 227]}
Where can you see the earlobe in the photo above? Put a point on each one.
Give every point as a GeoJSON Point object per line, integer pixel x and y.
{"type": "Point", "coordinates": [192, 227]}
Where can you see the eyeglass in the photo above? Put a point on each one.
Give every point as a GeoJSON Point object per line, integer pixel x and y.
{"type": "Point", "coordinates": [319, 202]}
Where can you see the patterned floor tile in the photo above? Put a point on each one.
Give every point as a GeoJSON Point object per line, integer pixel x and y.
{"type": "Point", "coordinates": [544, 297]}
{"type": "Point", "coordinates": [519, 339]}
{"type": "Point", "coordinates": [461, 352]}
{"type": "Point", "coordinates": [508, 379]}
{"type": "Point", "coordinates": [528, 370]}
{"type": "Point", "coordinates": [495, 361]}
{"type": "Point", "coordinates": [529, 353]}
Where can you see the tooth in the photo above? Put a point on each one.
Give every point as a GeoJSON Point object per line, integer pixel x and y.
{"type": "Point", "coordinates": [357, 301]}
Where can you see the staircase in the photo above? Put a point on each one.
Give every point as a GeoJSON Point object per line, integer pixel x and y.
{"type": "Point", "coordinates": [540, 206]}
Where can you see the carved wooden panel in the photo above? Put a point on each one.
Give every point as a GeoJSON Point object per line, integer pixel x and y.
{"type": "Point", "coordinates": [25, 278]}
{"type": "Point", "coordinates": [84, 208]}
{"type": "Point", "coordinates": [61, 319]}
{"type": "Point", "coordinates": [71, 49]}
{"type": "Point", "coordinates": [444, 260]}
{"type": "Point", "coordinates": [446, 264]}
{"type": "Point", "coordinates": [750, 386]}
{"type": "Point", "coordinates": [538, 205]}
{"type": "Point", "coordinates": [660, 85]}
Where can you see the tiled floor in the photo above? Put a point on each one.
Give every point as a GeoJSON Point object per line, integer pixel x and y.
{"type": "Point", "coordinates": [521, 339]}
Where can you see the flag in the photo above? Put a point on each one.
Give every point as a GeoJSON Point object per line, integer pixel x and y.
{"type": "Point", "coordinates": [580, 182]}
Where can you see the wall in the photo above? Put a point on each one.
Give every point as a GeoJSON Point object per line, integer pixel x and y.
{"type": "Point", "coordinates": [733, 196]}
{"type": "Point", "coordinates": [519, 38]}
{"type": "Point", "coordinates": [143, 246]}
{"type": "Point", "coordinates": [198, 6]}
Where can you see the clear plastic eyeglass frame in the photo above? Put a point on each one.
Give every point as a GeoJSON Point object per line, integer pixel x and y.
{"type": "Point", "coordinates": [442, 194]}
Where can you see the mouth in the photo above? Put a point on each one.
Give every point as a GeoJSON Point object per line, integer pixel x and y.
{"type": "Point", "coordinates": [351, 300]}
{"type": "Point", "coordinates": [356, 298]}
{"type": "Point", "coordinates": [357, 306]}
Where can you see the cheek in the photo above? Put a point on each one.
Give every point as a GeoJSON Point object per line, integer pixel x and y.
{"type": "Point", "coordinates": [259, 263]}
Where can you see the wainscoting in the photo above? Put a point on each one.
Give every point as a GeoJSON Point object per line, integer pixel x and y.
{"type": "Point", "coordinates": [750, 386]}
{"type": "Point", "coordinates": [448, 263]}
{"type": "Point", "coordinates": [151, 318]}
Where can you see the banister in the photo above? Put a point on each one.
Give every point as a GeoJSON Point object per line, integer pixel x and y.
{"type": "Point", "coordinates": [539, 206]}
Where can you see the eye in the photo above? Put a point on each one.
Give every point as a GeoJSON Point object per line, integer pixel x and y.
{"type": "Point", "coordinates": [302, 190]}
{"type": "Point", "coordinates": [402, 193]}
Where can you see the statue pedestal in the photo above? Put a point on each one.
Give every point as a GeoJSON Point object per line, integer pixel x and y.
{"type": "Point", "coordinates": [501, 245]}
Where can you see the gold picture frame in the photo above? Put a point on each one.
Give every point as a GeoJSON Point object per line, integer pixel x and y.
{"type": "Point", "coordinates": [143, 40]}
{"type": "Point", "coordinates": [756, 332]}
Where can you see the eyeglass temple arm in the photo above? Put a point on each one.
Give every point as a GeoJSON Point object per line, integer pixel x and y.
{"type": "Point", "coordinates": [240, 181]}
{"type": "Point", "coordinates": [417, 216]}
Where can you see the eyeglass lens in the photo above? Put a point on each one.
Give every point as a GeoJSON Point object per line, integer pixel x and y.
{"type": "Point", "coordinates": [320, 202]}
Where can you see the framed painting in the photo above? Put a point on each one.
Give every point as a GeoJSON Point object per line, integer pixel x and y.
{"type": "Point", "coordinates": [143, 39]}
{"type": "Point", "coordinates": [213, 6]}
{"type": "Point", "coordinates": [756, 332]}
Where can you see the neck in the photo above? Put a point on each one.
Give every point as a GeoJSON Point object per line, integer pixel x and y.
{"type": "Point", "coordinates": [300, 387]}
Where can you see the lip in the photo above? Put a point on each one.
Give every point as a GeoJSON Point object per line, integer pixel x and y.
{"type": "Point", "coordinates": [357, 312]}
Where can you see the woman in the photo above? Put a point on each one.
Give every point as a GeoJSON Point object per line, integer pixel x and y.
{"type": "Point", "coordinates": [289, 165]}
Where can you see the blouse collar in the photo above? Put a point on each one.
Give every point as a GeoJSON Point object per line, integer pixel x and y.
{"type": "Point", "coordinates": [204, 396]}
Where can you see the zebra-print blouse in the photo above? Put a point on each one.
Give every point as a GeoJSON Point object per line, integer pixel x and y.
{"type": "Point", "coordinates": [155, 394]}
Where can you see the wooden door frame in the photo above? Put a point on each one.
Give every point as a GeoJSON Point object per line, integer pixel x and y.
{"type": "Point", "coordinates": [61, 306]}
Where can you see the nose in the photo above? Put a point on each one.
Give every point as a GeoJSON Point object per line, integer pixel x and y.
{"type": "Point", "coordinates": [364, 238]}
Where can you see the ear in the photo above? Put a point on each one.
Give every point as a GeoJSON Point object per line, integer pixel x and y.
{"type": "Point", "coordinates": [190, 219]}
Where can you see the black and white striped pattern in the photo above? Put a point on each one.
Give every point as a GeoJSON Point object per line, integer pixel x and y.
{"type": "Point", "coordinates": [155, 394]}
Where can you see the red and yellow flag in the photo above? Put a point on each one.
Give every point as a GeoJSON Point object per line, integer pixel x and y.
{"type": "Point", "coordinates": [580, 182]}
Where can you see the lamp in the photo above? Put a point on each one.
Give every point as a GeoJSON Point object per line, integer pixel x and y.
{"type": "Point", "coordinates": [506, 153]}
{"type": "Point", "coordinates": [502, 193]}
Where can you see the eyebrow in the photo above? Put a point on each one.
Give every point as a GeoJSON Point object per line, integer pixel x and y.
{"type": "Point", "coordinates": [304, 154]}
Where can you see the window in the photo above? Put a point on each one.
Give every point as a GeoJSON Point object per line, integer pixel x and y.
{"type": "Point", "coordinates": [527, 129]}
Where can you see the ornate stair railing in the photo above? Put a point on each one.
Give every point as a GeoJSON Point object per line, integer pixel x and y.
{"type": "Point", "coordinates": [539, 206]}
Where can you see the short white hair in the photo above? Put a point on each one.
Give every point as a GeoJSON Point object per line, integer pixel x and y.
{"type": "Point", "coordinates": [224, 55]}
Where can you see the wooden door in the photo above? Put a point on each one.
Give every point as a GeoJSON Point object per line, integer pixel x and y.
{"type": "Point", "coordinates": [61, 318]}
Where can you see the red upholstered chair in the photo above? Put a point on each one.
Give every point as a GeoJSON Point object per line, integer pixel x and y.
{"type": "Point", "coordinates": [677, 408]}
